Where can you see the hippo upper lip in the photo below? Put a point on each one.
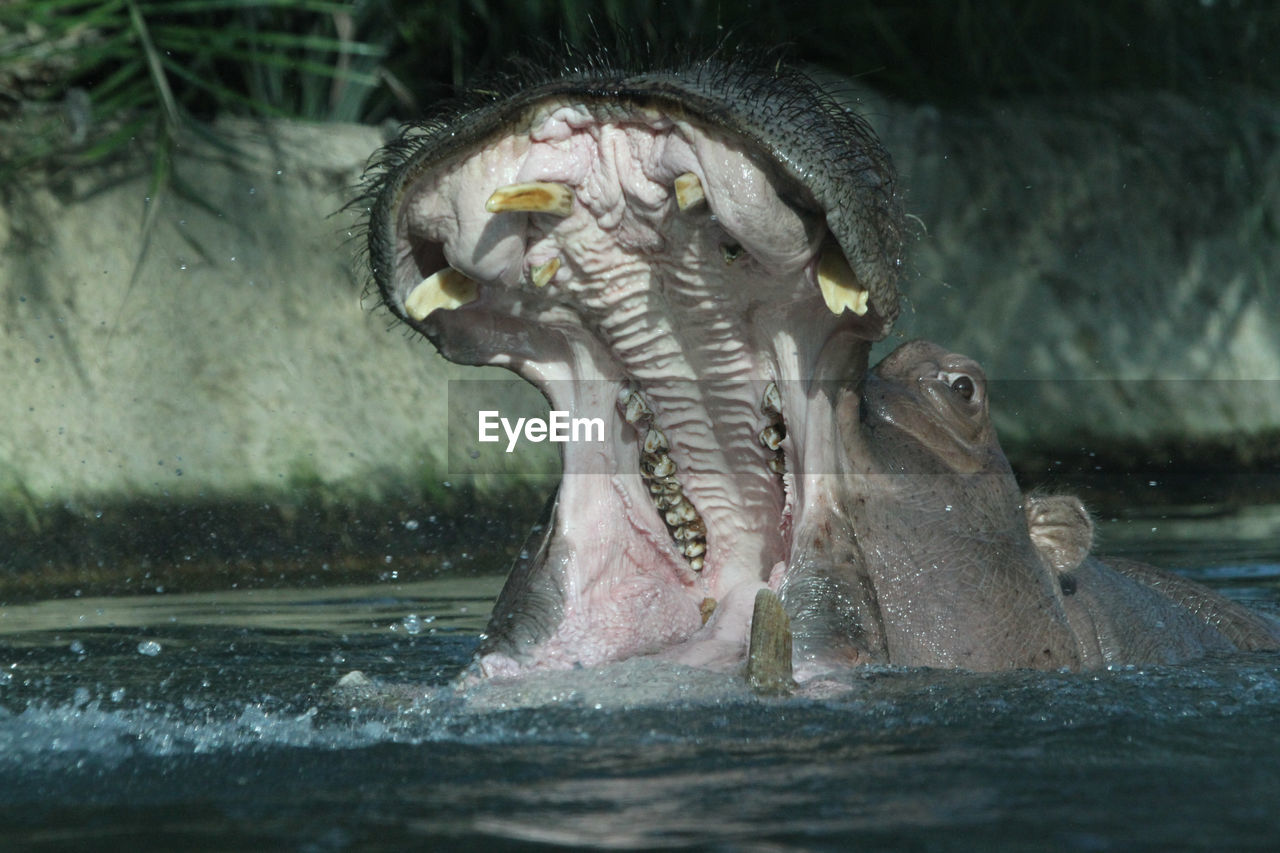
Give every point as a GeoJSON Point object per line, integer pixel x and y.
{"type": "Point", "coordinates": [828, 157]}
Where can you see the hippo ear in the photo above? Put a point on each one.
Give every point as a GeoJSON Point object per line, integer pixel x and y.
{"type": "Point", "coordinates": [1061, 530]}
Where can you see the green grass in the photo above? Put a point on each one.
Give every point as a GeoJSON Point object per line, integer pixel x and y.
{"type": "Point", "coordinates": [148, 68]}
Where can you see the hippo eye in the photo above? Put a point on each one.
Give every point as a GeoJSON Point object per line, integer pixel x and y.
{"type": "Point", "coordinates": [963, 385]}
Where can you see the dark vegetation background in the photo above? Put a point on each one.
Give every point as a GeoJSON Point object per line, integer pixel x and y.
{"type": "Point", "coordinates": [119, 68]}
{"type": "Point", "coordinates": [88, 82]}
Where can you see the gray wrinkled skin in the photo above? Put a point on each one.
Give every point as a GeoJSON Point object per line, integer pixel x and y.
{"type": "Point", "coordinates": [962, 570]}
{"type": "Point", "coordinates": [935, 564]}
{"type": "Point", "coordinates": [1124, 611]}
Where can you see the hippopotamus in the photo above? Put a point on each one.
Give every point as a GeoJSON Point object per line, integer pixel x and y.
{"type": "Point", "coordinates": [947, 563]}
{"type": "Point", "coordinates": [700, 256]}
{"type": "Point", "coordinates": [1127, 612]}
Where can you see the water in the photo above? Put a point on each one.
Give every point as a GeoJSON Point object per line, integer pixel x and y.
{"type": "Point", "coordinates": [207, 722]}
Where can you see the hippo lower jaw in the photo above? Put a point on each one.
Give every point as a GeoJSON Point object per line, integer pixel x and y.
{"type": "Point", "coordinates": [643, 265]}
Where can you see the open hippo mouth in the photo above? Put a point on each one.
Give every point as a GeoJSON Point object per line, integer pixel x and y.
{"type": "Point", "coordinates": [692, 255]}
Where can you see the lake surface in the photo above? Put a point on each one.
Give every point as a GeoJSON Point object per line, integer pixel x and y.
{"type": "Point", "coordinates": [208, 722]}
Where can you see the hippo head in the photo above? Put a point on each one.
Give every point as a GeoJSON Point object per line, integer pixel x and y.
{"type": "Point", "coordinates": [694, 255]}
{"type": "Point", "coordinates": [936, 404]}
{"type": "Point", "coordinates": [925, 557]}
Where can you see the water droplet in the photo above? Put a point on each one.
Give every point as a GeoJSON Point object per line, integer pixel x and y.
{"type": "Point", "coordinates": [150, 648]}
{"type": "Point", "coordinates": [77, 647]}
{"type": "Point", "coordinates": [412, 624]}
{"type": "Point", "coordinates": [411, 524]}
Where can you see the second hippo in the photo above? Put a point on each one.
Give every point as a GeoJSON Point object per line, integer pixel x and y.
{"type": "Point", "coordinates": [944, 561]}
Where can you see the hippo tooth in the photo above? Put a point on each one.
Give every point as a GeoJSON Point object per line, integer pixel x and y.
{"type": "Point", "coordinates": [663, 466]}
{"type": "Point", "coordinates": [695, 548]}
{"type": "Point", "coordinates": [839, 286]}
{"type": "Point", "coordinates": [708, 605]}
{"type": "Point", "coordinates": [696, 565]}
{"type": "Point", "coordinates": [637, 409]}
{"type": "Point", "coordinates": [624, 396]}
{"type": "Point", "coordinates": [655, 488]}
{"type": "Point", "coordinates": [655, 440]}
{"type": "Point", "coordinates": [543, 273]}
{"type": "Point", "coordinates": [772, 436]}
{"type": "Point", "coordinates": [533, 197]}
{"type": "Point", "coordinates": [443, 290]}
{"type": "Point", "coordinates": [681, 514]}
{"type": "Point", "coordinates": [671, 486]}
{"type": "Point", "coordinates": [689, 191]}
{"type": "Point", "coordinates": [771, 404]}
{"type": "Point", "coordinates": [678, 533]}
{"type": "Point", "coordinates": [696, 528]}
{"type": "Point", "coordinates": [778, 464]}
{"type": "Point", "coordinates": [665, 502]}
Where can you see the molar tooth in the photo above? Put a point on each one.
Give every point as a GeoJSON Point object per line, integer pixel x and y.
{"type": "Point", "coordinates": [543, 273]}
{"type": "Point", "coordinates": [655, 440]}
{"type": "Point", "coordinates": [772, 436]}
{"type": "Point", "coordinates": [678, 532]}
{"type": "Point", "coordinates": [663, 466]}
{"type": "Point", "coordinates": [840, 287]}
{"type": "Point", "coordinates": [694, 548]}
{"type": "Point", "coordinates": [532, 197]}
{"type": "Point", "coordinates": [637, 409]}
{"type": "Point", "coordinates": [772, 402]}
{"type": "Point", "coordinates": [443, 290]}
{"type": "Point", "coordinates": [778, 464]}
{"type": "Point", "coordinates": [697, 527]}
{"type": "Point", "coordinates": [689, 191]}
{"type": "Point", "coordinates": [687, 512]}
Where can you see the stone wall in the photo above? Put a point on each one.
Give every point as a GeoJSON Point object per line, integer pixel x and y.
{"type": "Point", "coordinates": [1084, 248]}
{"type": "Point", "coordinates": [1114, 264]}
{"type": "Point", "coordinates": [240, 359]}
